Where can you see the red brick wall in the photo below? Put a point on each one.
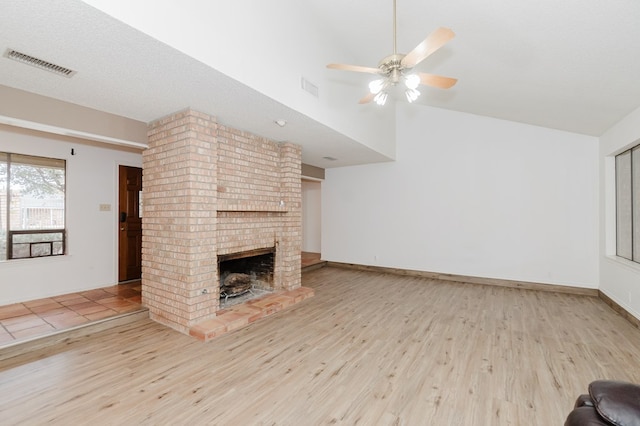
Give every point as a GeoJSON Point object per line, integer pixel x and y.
{"type": "Point", "coordinates": [211, 189]}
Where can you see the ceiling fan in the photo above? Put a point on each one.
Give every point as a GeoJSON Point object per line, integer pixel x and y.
{"type": "Point", "coordinates": [398, 67]}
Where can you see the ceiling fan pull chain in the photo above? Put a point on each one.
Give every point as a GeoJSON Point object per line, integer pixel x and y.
{"type": "Point", "coordinates": [395, 50]}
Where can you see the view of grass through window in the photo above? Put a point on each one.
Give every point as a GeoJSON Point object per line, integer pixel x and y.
{"type": "Point", "coordinates": [32, 206]}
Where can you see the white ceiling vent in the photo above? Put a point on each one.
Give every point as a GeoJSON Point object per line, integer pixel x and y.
{"type": "Point", "coordinates": [308, 86]}
{"type": "Point", "coordinates": [38, 63]}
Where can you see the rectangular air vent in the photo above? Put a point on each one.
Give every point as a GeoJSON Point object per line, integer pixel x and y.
{"type": "Point", "coordinates": [38, 63]}
{"type": "Point", "coordinates": [308, 86]}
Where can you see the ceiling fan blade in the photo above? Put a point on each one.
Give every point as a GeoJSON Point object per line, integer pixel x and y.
{"type": "Point", "coordinates": [436, 80]}
{"type": "Point", "coordinates": [367, 98]}
{"type": "Point", "coordinates": [433, 42]}
{"type": "Point", "coordinates": [356, 68]}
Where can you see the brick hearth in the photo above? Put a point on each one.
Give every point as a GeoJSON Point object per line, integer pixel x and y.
{"type": "Point", "coordinates": [212, 190]}
{"type": "Point", "coordinates": [244, 314]}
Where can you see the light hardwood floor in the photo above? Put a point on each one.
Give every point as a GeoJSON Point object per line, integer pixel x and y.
{"type": "Point", "coordinates": [368, 349]}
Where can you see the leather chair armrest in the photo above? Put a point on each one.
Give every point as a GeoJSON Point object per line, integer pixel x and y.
{"type": "Point", "coordinates": [617, 402]}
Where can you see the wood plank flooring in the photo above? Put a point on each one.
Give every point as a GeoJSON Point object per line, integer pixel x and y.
{"type": "Point", "coordinates": [369, 348]}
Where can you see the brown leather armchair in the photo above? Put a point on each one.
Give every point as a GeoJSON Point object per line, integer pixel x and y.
{"type": "Point", "coordinates": [608, 403]}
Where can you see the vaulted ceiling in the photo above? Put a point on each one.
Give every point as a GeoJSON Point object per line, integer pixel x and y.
{"type": "Point", "coordinates": [571, 65]}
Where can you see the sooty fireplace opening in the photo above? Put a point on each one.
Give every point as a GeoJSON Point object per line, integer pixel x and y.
{"type": "Point", "coordinates": [245, 275]}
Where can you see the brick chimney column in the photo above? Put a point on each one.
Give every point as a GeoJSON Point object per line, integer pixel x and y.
{"type": "Point", "coordinates": [179, 259]}
{"type": "Point", "coordinates": [291, 236]}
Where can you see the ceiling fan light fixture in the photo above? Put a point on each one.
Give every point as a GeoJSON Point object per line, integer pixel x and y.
{"type": "Point", "coordinates": [398, 67]}
{"type": "Point", "coordinates": [376, 86]}
{"type": "Point", "coordinates": [411, 81]}
{"type": "Point", "coordinates": [381, 98]}
{"type": "Point", "coordinates": [412, 94]}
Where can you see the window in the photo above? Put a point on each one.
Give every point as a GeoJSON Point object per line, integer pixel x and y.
{"type": "Point", "coordinates": [32, 205]}
{"type": "Point", "coordinates": [628, 204]}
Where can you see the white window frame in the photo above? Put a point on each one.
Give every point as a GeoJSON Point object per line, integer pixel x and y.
{"type": "Point", "coordinates": [627, 204]}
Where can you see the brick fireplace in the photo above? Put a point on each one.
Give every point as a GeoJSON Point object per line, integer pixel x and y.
{"type": "Point", "coordinates": [211, 191]}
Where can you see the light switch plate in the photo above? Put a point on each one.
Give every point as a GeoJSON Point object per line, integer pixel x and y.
{"type": "Point", "coordinates": [105, 207]}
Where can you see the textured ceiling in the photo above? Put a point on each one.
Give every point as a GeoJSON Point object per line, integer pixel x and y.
{"type": "Point", "coordinates": [570, 65]}
{"type": "Point", "coordinates": [124, 72]}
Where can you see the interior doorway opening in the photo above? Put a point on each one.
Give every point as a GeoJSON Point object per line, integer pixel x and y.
{"type": "Point", "coordinates": [311, 221]}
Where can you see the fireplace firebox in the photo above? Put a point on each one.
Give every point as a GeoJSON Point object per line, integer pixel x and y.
{"type": "Point", "coordinates": [245, 275]}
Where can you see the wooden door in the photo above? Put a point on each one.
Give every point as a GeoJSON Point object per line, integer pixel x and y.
{"type": "Point", "coordinates": [129, 224]}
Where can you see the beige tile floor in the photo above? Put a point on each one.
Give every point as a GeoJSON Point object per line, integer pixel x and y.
{"type": "Point", "coordinates": [36, 318]}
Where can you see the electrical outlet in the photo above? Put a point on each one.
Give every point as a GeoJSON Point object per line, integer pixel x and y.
{"type": "Point", "coordinates": [105, 207]}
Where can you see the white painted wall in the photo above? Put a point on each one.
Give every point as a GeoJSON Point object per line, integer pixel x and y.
{"type": "Point", "coordinates": [470, 195]}
{"type": "Point", "coordinates": [92, 176]}
{"type": "Point", "coordinates": [311, 216]}
{"type": "Point", "coordinates": [619, 278]}
{"type": "Point", "coordinates": [289, 57]}
{"type": "Point", "coordinates": [213, 24]}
